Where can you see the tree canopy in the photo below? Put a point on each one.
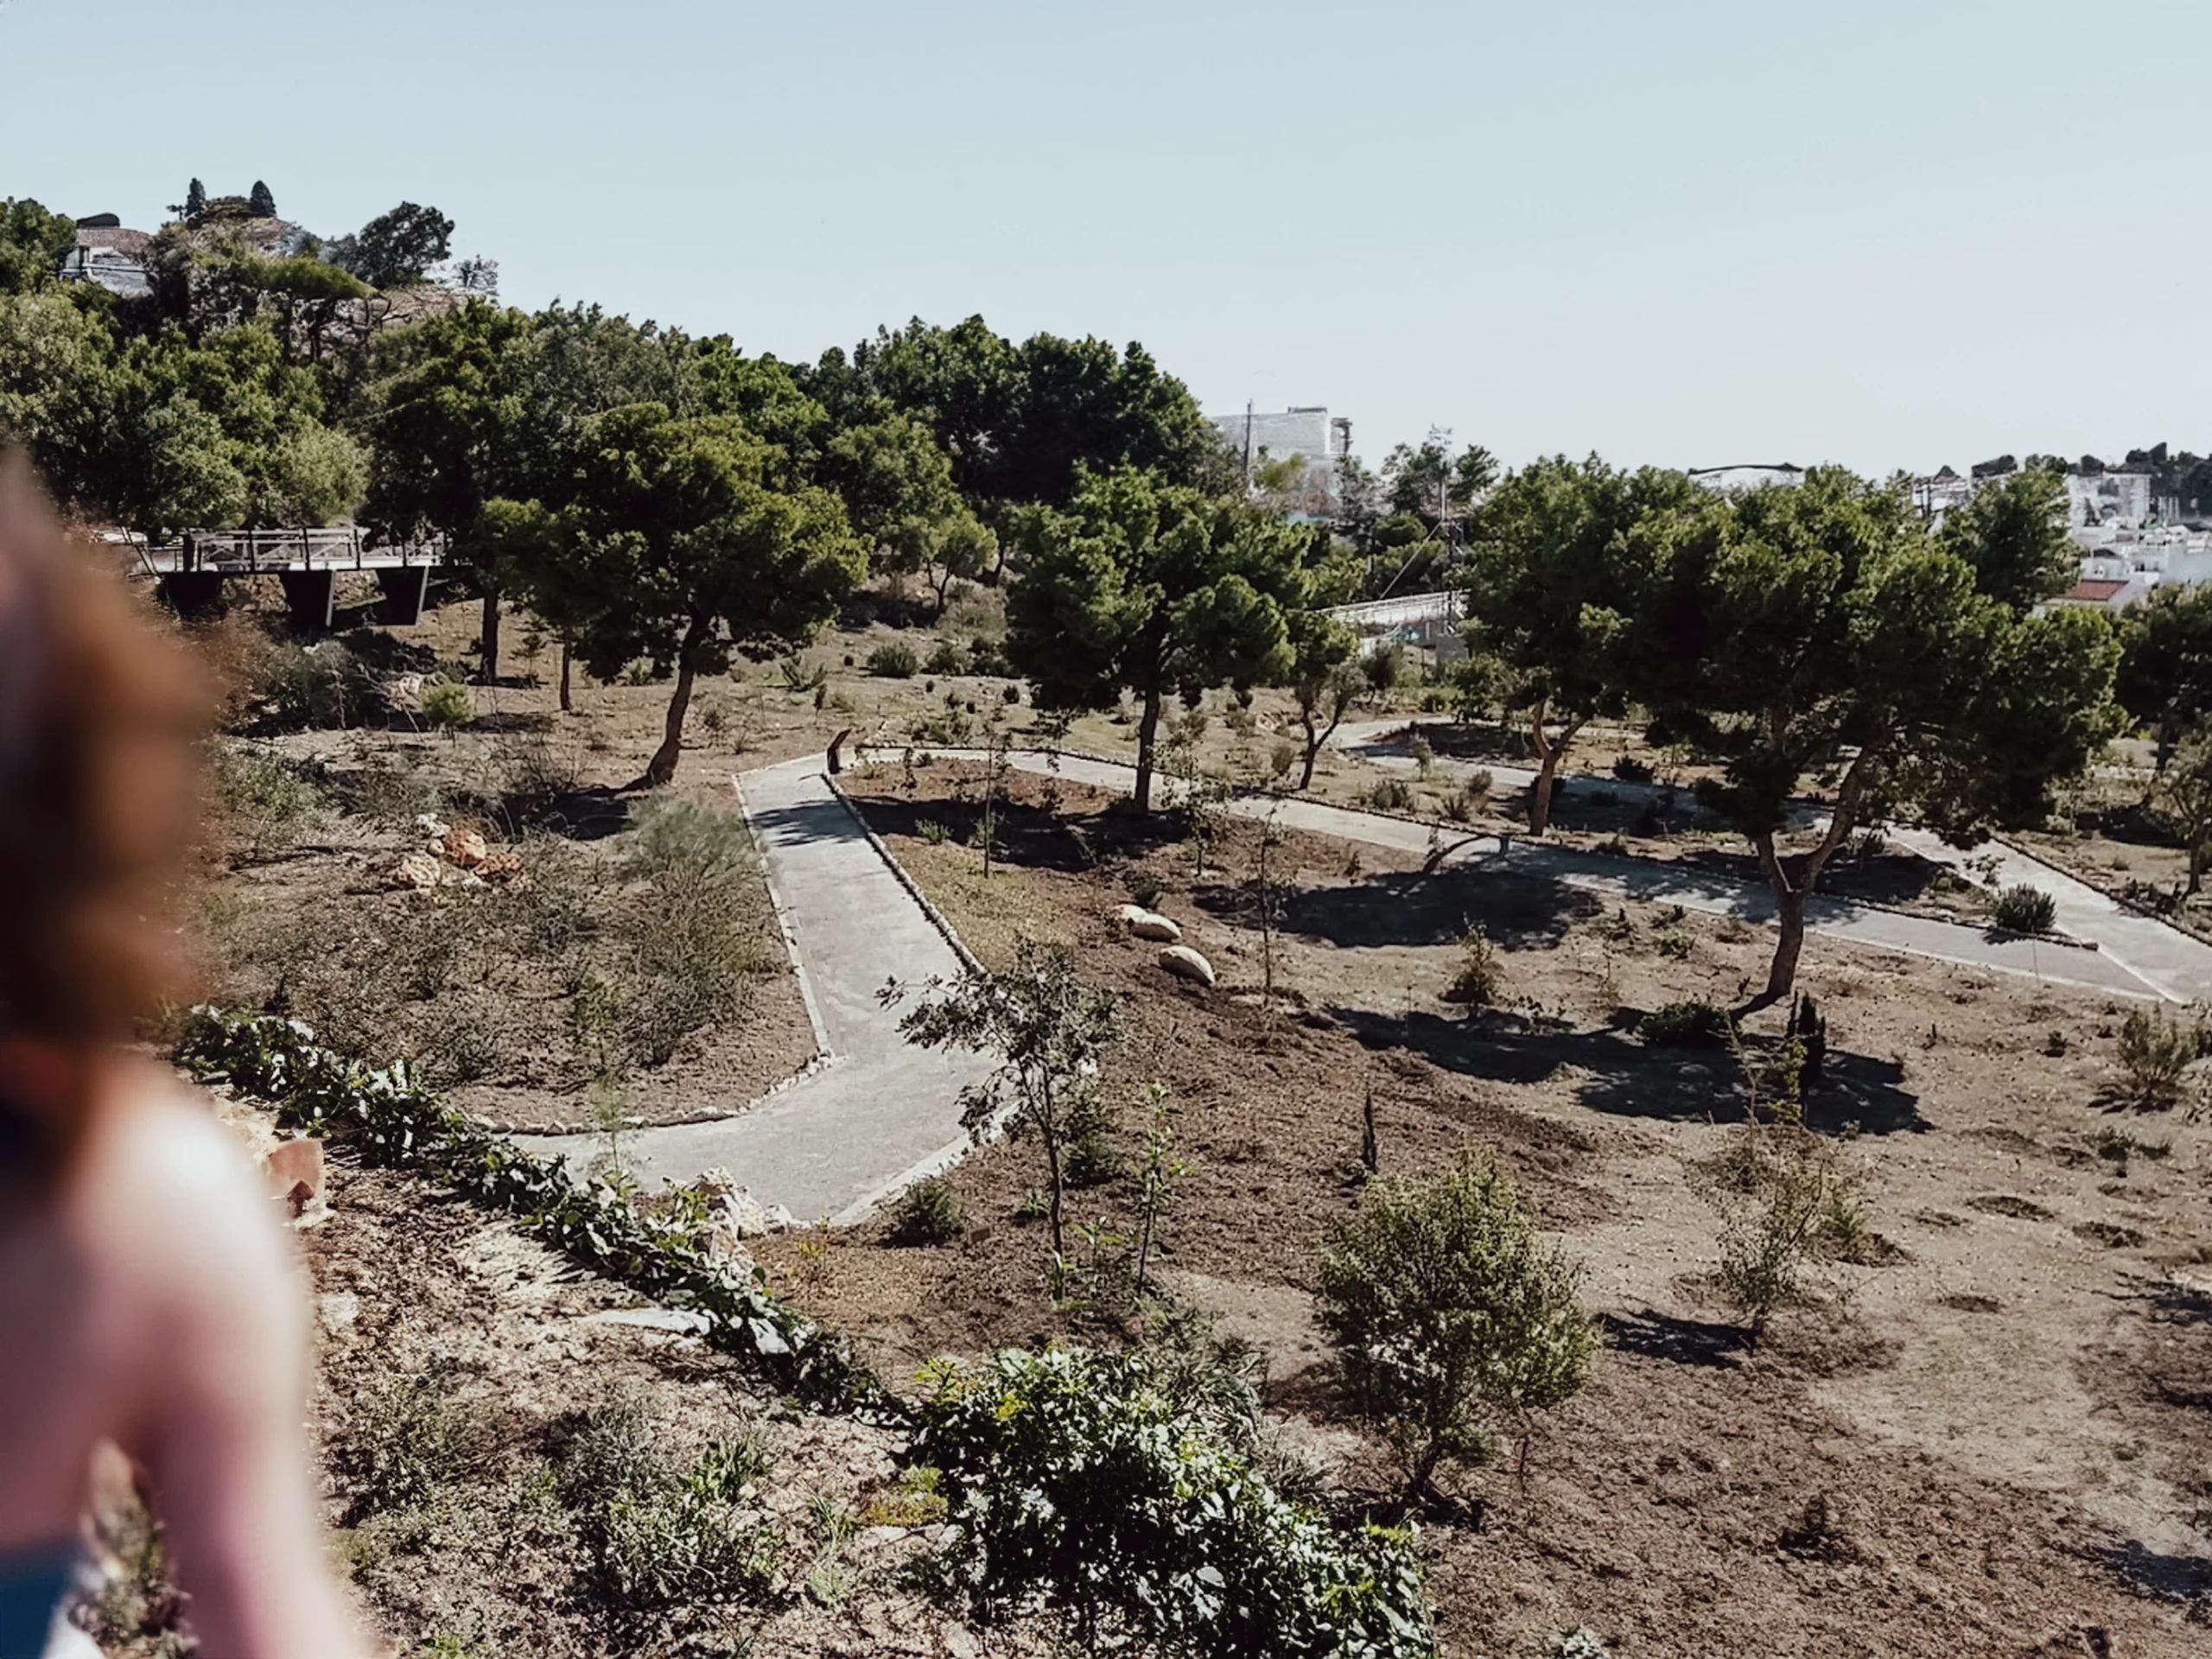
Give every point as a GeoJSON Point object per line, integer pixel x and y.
{"type": "Point", "coordinates": [395, 249]}
{"type": "Point", "coordinates": [1818, 632]}
{"type": "Point", "coordinates": [1152, 588]}
{"type": "Point", "coordinates": [681, 539]}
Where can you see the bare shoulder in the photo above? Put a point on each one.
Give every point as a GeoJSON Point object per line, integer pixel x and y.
{"type": "Point", "coordinates": [175, 1193]}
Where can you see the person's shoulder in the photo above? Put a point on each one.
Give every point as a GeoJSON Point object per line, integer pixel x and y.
{"type": "Point", "coordinates": [174, 1191]}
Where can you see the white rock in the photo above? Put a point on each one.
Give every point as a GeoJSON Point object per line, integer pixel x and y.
{"type": "Point", "coordinates": [1149, 924]}
{"type": "Point", "coordinates": [1187, 964]}
{"type": "Point", "coordinates": [781, 1220]}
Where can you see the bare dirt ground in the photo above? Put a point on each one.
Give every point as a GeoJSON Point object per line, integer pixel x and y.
{"type": "Point", "coordinates": [1991, 1442]}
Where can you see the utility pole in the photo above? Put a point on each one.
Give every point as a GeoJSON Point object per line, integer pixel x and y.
{"type": "Point", "coordinates": [1247, 446]}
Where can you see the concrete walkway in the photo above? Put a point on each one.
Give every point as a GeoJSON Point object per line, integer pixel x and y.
{"type": "Point", "coordinates": [880, 1113]}
{"type": "Point", "coordinates": [1662, 882]}
{"type": "Point", "coordinates": [2151, 954]}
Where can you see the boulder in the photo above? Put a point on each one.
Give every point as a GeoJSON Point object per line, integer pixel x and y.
{"type": "Point", "coordinates": [466, 848]}
{"type": "Point", "coordinates": [417, 870]}
{"type": "Point", "coordinates": [1139, 922]}
{"type": "Point", "coordinates": [1187, 964]}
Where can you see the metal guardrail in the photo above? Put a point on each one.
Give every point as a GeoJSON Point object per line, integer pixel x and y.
{"type": "Point", "coordinates": [1448, 605]}
{"type": "Point", "coordinates": [253, 552]}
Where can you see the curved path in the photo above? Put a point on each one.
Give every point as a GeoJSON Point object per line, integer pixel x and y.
{"type": "Point", "coordinates": [2150, 955]}
{"type": "Point", "coordinates": [1681, 884]}
{"type": "Point", "coordinates": [880, 1113]}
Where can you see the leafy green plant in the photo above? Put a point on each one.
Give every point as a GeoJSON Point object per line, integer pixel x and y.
{"type": "Point", "coordinates": [661, 1540]}
{"type": "Point", "coordinates": [404, 1437]}
{"type": "Point", "coordinates": [1120, 1493]}
{"type": "Point", "coordinates": [269, 798]}
{"type": "Point", "coordinates": [1685, 1025]}
{"type": "Point", "coordinates": [1393, 795]}
{"type": "Point", "coordinates": [915, 1499]}
{"type": "Point", "coordinates": [2024, 909]}
{"type": "Point", "coordinates": [1049, 1028]}
{"type": "Point", "coordinates": [932, 833]}
{"type": "Point", "coordinates": [928, 1213]}
{"type": "Point", "coordinates": [1449, 1316]}
{"type": "Point", "coordinates": [895, 661]}
{"type": "Point", "coordinates": [1424, 754]}
{"type": "Point", "coordinates": [389, 1119]}
{"type": "Point", "coordinates": [947, 659]}
{"type": "Point", "coordinates": [1143, 886]}
{"type": "Point", "coordinates": [1791, 1203]}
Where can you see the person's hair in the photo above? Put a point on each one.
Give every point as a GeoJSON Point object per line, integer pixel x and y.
{"type": "Point", "coordinates": [99, 790]}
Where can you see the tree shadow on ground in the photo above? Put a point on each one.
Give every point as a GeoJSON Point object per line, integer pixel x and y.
{"type": "Point", "coordinates": [1026, 837]}
{"type": "Point", "coordinates": [1627, 1078]}
{"type": "Point", "coordinates": [2175, 1577]}
{"type": "Point", "coordinates": [1679, 1341]}
{"type": "Point", "coordinates": [1515, 911]}
{"type": "Point", "coordinates": [1885, 879]}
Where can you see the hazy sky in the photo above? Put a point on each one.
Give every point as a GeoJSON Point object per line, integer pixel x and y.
{"type": "Point", "coordinates": [1886, 234]}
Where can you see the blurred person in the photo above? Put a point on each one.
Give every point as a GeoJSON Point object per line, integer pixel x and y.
{"type": "Point", "coordinates": [147, 1297]}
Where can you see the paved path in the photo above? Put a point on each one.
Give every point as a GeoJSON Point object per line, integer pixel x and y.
{"type": "Point", "coordinates": [1663, 882]}
{"type": "Point", "coordinates": [2150, 954]}
{"type": "Point", "coordinates": [882, 1112]}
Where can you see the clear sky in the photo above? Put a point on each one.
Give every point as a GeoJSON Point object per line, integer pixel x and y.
{"type": "Point", "coordinates": [1691, 233]}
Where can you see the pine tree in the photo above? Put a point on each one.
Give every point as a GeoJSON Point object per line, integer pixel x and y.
{"type": "Point", "coordinates": [261, 201]}
{"type": "Point", "coordinates": [195, 202]}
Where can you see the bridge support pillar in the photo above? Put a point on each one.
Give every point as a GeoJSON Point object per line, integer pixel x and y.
{"type": "Point", "coordinates": [310, 594]}
{"type": "Point", "coordinates": [191, 593]}
{"type": "Point", "coordinates": [405, 593]}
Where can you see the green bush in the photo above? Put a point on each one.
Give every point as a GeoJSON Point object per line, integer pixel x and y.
{"type": "Point", "coordinates": [1685, 1025]}
{"type": "Point", "coordinates": [1143, 886]}
{"type": "Point", "coordinates": [1393, 795]}
{"type": "Point", "coordinates": [1630, 770]}
{"type": "Point", "coordinates": [2156, 1051]}
{"type": "Point", "coordinates": [1792, 1202]}
{"type": "Point", "coordinates": [1451, 1319]}
{"type": "Point", "coordinates": [2024, 909]}
{"type": "Point", "coordinates": [315, 686]}
{"type": "Point", "coordinates": [1120, 1493]}
{"type": "Point", "coordinates": [928, 1213]}
{"type": "Point", "coordinates": [269, 798]}
{"type": "Point", "coordinates": [405, 1438]}
{"type": "Point", "coordinates": [895, 661]}
{"type": "Point", "coordinates": [947, 659]}
{"type": "Point", "coordinates": [447, 705]}
{"type": "Point", "coordinates": [1481, 977]}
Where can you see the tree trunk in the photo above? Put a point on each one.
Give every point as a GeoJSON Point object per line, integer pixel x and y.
{"type": "Point", "coordinates": [1053, 1168]}
{"type": "Point", "coordinates": [1147, 731]}
{"type": "Point", "coordinates": [1790, 917]}
{"type": "Point", "coordinates": [566, 652]}
{"type": "Point", "coordinates": [1547, 759]}
{"type": "Point", "coordinates": [662, 768]}
{"type": "Point", "coordinates": [488, 636]}
{"type": "Point", "coordinates": [1312, 750]}
{"type": "Point", "coordinates": [2196, 871]}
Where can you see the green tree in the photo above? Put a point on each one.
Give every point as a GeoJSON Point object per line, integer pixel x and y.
{"type": "Point", "coordinates": [33, 245]}
{"type": "Point", "coordinates": [1450, 1317]}
{"type": "Point", "coordinates": [1325, 678]}
{"type": "Point", "coordinates": [684, 540]}
{"type": "Point", "coordinates": [1818, 631]}
{"type": "Point", "coordinates": [2013, 533]}
{"type": "Point", "coordinates": [2165, 665]}
{"type": "Point", "coordinates": [193, 205]}
{"type": "Point", "coordinates": [1547, 594]}
{"type": "Point", "coordinates": [1050, 1031]}
{"type": "Point", "coordinates": [395, 249]}
{"type": "Point", "coordinates": [2182, 801]}
{"type": "Point", "coordinates": [262, 203]}
{"type": "Point", "coordinates": [1153, 589]}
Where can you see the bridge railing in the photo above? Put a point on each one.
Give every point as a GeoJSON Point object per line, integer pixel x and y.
{"type": "Point", "coordinates": [1448, 605]}
{"type": "Point", "coordinates": [250, 552]}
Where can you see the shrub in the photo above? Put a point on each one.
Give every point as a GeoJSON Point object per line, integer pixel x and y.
{"type": "Point", "coordinates": [1630, 770]}
{"type": "Point", "coordinates": [320, 685]}
{"type": "Point", "coordinates": [1011, 695]}
{"type": "Point", "coordinates": [1449, 1316]}
{"type": "Point", "coordinates": [269, 798]}
{"type": "Point", "coordinates": [2156, 1051]}
{"type": "Point", "coordinates": [946, 659]}
{"type": "Point", "coordinates": [1281, 758]}
{"type": "Point", "coordinates": [1121, 1493]}
{"type": "Point", "coordinates": [658, 1533]}
{"type": "Point", "coordinates": [1143, 886]}
{"type": "Point", "coordinates": [1685, 1025]}
{"type": "Point", "coordinates": [895, 661]}
{"type": "Point", "coordinates": [928, 1213]}
{"type": "Point", "coordinates": [1789, 1203]}
{"type": "Point", "coordinates": [447, 705]}
{"type": "Point", "coordinates": [1392, 795]}
{"type": "Point", "coordinates": [404, 1437]}
{"type": "Point", "coordinates": [2024, 909]}
{"type": "Point", "coordinates": [1424, 755]}
{"type": "Point", "coordinates": [1481, 977]}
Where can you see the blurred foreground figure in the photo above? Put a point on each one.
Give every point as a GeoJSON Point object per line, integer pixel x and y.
{"type": "Point", "coordinates": [147, 1298]}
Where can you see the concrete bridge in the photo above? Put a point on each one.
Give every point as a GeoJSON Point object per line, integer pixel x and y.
{"type": "Point", "coordinates": [189, 572]}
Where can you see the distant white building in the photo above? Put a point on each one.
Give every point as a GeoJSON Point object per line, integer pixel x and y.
{"type": "Point", "coordinates": [1307, 435]}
